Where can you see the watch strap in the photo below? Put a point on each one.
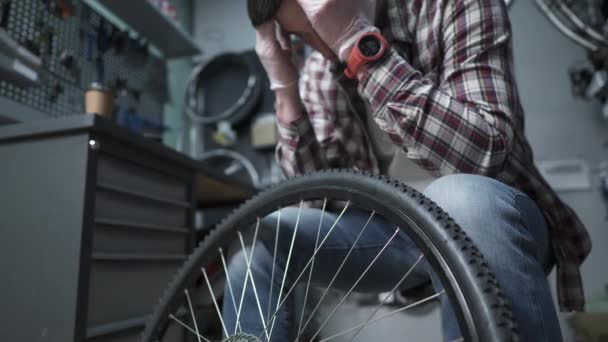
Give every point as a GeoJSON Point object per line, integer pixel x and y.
{"type": "Point", "coordinates": [357, 59]}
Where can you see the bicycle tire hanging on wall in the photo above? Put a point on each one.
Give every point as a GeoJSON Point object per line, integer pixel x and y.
{"type": "Point", "coordinates": [585, 23]}
{"type": "Point", "coordinates": [573, 20]}
{"type": "Point", "coordinates": [209, 78]}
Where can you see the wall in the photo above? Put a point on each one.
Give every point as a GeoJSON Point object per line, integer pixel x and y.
{"type": "Point", "coordinates": [558, 125]}
{"type": "Point", "coordinates": [178, 71]}
{"type": "Point", "coordinates": [222, 26]}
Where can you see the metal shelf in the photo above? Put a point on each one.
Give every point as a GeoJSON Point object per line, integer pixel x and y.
{"type": "Point", "coordinates": [143, 17]}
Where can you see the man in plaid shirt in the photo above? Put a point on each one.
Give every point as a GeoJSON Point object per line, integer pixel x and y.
{"type": "Point", "coordinates": [442, 95]}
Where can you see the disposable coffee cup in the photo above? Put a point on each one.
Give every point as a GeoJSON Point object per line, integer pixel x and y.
{"type": "Point", "coordinates": [99, 99]}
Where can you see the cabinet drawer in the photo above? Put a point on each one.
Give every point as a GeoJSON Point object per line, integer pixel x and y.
{"type": "Point", "coordinates": [122, 289]}
{"type": "Point", "coordinates": [131, 176]}
{"type": "Point", "coordinates": [115, 205]}
{"type": "Point", "coordinates": [175, 333]}
{"type": "Point", "coordinates": [122, 237]}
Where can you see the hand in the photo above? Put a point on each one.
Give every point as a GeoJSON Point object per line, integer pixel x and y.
{"type": "Point", "coordinates": [275, 58]}
{"type": "Point", "coordinates": [340, 22]}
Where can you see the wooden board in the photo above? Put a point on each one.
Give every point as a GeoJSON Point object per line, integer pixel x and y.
{"type": "Point", "coordinates": [211, 190]}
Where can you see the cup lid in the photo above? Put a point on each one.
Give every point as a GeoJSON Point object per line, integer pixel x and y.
{"type": "Point", "coordinates": [98, 86]}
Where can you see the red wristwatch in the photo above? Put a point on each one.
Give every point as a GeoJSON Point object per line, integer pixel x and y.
{"type": "Point", "coordinates": [370, 47]}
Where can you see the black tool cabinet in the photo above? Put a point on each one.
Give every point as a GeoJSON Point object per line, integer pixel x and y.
{"type": "Point", "coordinates": [93, 223]}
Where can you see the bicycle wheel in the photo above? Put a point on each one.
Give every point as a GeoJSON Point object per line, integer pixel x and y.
{"type": "Point", "coordinates": [482, 311]}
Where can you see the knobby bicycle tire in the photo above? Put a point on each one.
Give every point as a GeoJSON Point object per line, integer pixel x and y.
{"type": "Point", "coordinates": [480, 305]}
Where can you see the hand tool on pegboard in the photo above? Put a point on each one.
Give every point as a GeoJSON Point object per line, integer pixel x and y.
{"type": "Point", "coordinates": [46, 37]}
{"type": "Point", "coordinates": [100, 69]}
{"type": "Point", "coordinates": [144, 50]}
{"type": "Point", "coordinates": [87, 44]}
{"type": "Point", "coordinates": [5, 10]}
{"type": "Point", "coordinates": [90, 49]}
{"type": "Point", "coordinates": [34, 44]}
{"type": "Point", "coordinates": [103, 45]}
{"type": "Point", "coordinates": [64, 8]}
{"type": "Point", "coordinates": [42, 42]}
{"type": "Point", "coordinates": [68, 60]}
{"type": "Point", "coordinates": [137, 53]}
{"type": "Point", "coordinates": [103, 38]}
{"type": "Point", "coordinates": [154, 83]}
{"type": "Point", "coordinates": [118, 40]}
{"type": "Point", "coordinates": [86, 36]}
{"type": "Point", "coordinates": [56, 90]}
{"type": "Point", "coordinates": [61, 8]}
{"type": "Point", "coordinates": [135, 94]}
{"type": "Point", "coordinates": [82, 32]}
{"type": "Point", "coordinates": [119, 85]}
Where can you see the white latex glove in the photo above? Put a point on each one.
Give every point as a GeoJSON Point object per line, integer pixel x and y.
{"type": "Point", "coordinates": [275, 58]}
{"type": "Point", "coordinates": [340, 22]}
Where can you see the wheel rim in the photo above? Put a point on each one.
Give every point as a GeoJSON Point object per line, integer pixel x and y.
{"type": "Point", "coordinates": [386, 208]}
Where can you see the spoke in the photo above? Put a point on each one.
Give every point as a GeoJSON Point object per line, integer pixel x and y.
{"type": "Point", "coordinates": [238, 314]}
{"type": "Point", "coordinates": [285, 271]}
{"type": "Point", "coordinates": [420, 302]}
{"type": "Point", "coordinates": [407, 274]}
{"type": "Point", "coordinates": [312, 266]}
{"type": "Point", "coordinates": [193, 315]}
{"type": "Point", "coordinates": [352, 248]}
{"type": "Point", "coordinates": [217, 308]}
{"type": "Point", "coordinates": [309, 262]}
{"type": "Point", "coordinates": [178, 321]}
{"type": "Point", "coordinates": [274, 259]}
{"type": "Point", "coordinates": [255, 291]}
{"type": "Point", "coordinates": [229, 282]}
{"type": "Point", "coordinates": [355, 284]}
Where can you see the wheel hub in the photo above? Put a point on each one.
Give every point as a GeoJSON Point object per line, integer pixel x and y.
{"type": "Point", "coordinates": [240, 337]}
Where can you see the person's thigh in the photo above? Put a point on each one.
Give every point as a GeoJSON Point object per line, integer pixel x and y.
{"type": "Point", "coordinates": [355, 247]}
{"type": "Point", "coordinates": [510, 231]}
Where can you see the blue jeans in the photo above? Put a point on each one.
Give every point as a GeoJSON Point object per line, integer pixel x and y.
{"type": "Point", "coordinates": [505, 224]}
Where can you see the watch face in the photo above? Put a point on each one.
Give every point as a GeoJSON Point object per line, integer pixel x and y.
{"type": "Point", "coordinates": [370, 46]}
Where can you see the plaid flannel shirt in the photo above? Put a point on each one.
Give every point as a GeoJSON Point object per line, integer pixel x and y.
{"type": "Point", "coordinates": [445, 93]}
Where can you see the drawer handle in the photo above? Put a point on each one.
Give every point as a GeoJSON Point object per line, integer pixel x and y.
{"type": "Point", "coordinates": [117, 257]}
{"type": "Point", "coordinates": [140, 226]}
{"type": "Point", "coordinates": [138, 194]}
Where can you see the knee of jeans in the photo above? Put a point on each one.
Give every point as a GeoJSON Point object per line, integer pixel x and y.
{"type": "Point", "coordinates": [470, 199]}
{"type": "Point", "coordinates": [237, 266]}
{"type": "Point", "coordinates": [268, 227]}
{"type": "Point", "coordinates": [259, 262]}
{"type": "Point", "coordinates": [267, 231]}
{"type": "Point", "coordinates": [452, 189]}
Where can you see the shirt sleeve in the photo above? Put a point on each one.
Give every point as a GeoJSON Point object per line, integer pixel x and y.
{"type": "Point", "coordinates": [463, 123]}
{"type": "Point", "coordinates": [298, 150]}
{"type": "Point", "coordinates": [329, 135]}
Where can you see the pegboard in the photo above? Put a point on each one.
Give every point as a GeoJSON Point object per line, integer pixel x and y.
{"type": "Point", "coordinates": [88, 38]}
